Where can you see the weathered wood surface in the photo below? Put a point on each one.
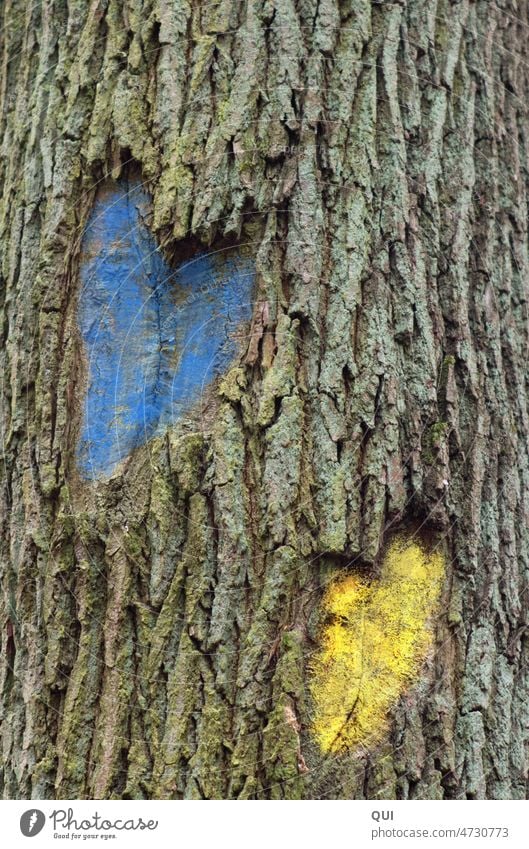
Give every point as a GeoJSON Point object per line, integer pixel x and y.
{"type": "Point", "coordinates": [157, 627]}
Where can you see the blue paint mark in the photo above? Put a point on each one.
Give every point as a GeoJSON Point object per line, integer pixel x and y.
{"type": "Point", "coordinates": [154, 337]}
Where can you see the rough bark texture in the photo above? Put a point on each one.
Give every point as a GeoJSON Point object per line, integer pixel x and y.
{"type": "Point", "coordinates": [156, 628]}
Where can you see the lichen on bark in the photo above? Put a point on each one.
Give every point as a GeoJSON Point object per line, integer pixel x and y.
{"type": "Point", "coordinates": [156, 628]}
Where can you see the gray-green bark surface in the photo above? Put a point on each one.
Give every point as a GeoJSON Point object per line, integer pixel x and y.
{"type": "Point", "coordinates": [156, 628]}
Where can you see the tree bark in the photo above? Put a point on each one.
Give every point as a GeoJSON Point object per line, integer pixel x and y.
{"type": "Point", "coordinates": [157, 627]}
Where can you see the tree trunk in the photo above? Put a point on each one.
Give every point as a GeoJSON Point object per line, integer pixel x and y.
{"type": "Point", "coordinates": [159, 624]}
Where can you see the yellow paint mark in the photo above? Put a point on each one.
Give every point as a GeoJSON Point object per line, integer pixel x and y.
{"type": "Point", "coordinates": [373, 646]}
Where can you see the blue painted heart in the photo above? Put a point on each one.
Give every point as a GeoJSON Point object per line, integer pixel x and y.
{"type": "Point", "coordinates": [154, 337]}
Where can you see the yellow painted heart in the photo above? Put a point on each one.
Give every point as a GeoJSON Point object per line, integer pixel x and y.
{"type": "Point", "coordinates": [375, 638]}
